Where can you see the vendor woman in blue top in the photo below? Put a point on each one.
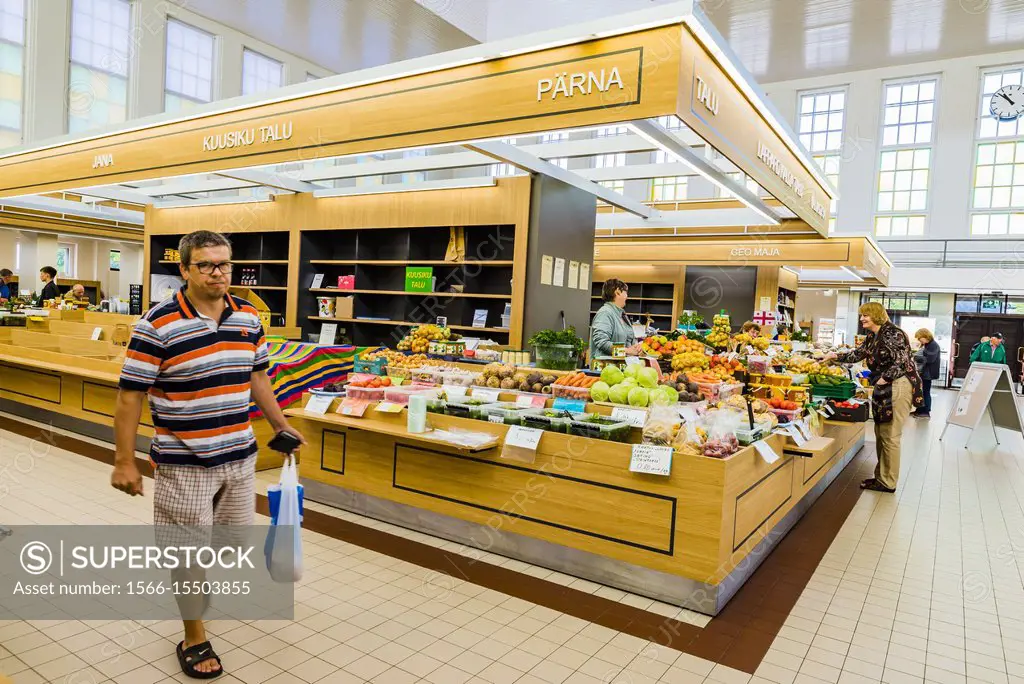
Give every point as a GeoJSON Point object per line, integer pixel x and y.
{"type": "Point", "coordinates": [611, 326]}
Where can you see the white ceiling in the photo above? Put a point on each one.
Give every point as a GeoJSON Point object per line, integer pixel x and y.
{"type": "Point", "coordinates": [777, 39]}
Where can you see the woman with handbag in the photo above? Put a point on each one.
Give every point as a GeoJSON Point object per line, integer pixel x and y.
{"type": "Point", "coordinates": [886, 350]}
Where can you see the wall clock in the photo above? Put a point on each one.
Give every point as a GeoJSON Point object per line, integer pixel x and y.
{"type": "Point", "coordinates": [1007, 103]}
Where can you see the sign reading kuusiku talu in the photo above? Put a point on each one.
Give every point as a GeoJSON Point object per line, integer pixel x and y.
{"type": "Point", "coordinates": [243, 137]}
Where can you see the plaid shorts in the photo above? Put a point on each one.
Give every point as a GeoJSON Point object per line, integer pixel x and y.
{"type": "Point", "coordinates": [199, 497]}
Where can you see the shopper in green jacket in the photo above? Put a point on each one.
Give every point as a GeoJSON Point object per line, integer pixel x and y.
{"type": "Point", "coordinates": [611, 326]}
{"type": "Point", "coordinates": [992, 352]}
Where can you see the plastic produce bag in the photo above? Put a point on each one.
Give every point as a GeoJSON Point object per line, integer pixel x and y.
{"type": "Point", "coordinates": [662, 424]}
{"type": "Point", "coordinates": [722, 440]}
{"type": "Point", "coordinates": [283, 548]}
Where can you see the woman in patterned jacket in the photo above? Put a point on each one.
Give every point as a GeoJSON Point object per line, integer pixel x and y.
{"type": "Point", "coordinates": [888, 356]}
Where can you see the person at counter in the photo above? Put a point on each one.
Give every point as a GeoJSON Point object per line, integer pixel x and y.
{"type": "Point", "coordinates": [6, 291]}
{"type": "Point", "coordinates": [76, 293]}
{"type": "Point", "coordinates": [611, 325]}
{"type": "Point", "coordinates": [47, 275]}
{"type": "Point", "coordinates": [886, 350]}
{"type": "Point", "coordinates": [990, 350]}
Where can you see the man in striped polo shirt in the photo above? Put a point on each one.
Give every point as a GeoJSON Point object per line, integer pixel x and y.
{"type": "Point", "coordinates": [199, 356]}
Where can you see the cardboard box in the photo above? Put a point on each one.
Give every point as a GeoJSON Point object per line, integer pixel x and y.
{"type": "Point", "coordinates": [344, 307]}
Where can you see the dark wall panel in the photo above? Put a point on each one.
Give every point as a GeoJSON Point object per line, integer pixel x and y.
{"type": "Point", "coordinates": [709, 289]}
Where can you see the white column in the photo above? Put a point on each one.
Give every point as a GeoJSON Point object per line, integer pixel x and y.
{"type": "Point", "coordinates": [8, 238]}
{"type": "Point", "coordinates": [46, 69]}
{"type": "Point", "coordinates": [45, 255]}
{"type": "Point", "coordinates": [28, 272]}
{"type": "Point", "coordinates": [148, 53]}
{"type": "Point", "coordinates": [131, 271]}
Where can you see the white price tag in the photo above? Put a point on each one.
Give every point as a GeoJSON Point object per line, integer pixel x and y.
{"type": "Point", "coordinates": [319, 404]}
{"type": "Point", "coordinates": [828, 410]}
{"type": "Point", "coordinates": [766, 451]}
{"type": "Point", "coordinates": [495, 419]}
{"type": "Point", "coordinates": [97, 333]}
{"type": "Point", "coordinates": [388, 407]}
{"type": "Point", "coordinates": [804, 429]}
{"type": "Point", "coordinates": [454, 392]}
{"type": "Point", "coordinates": [485, 393]}
{"type": "Point", "coordinates": [795, 434]}
{"type": "Point", "coordinates": [634, 361]}
{"type": "Point", "coordinates": [635, 417]}
{"type": "Point", "coordinates": [523, 437]}
{"type": "Point", "coordinates": [527, 401]}
{"type": "Point", "coordinates": [651, 459]}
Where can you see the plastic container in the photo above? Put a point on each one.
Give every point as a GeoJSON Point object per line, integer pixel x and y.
{"type": "Point", "coordinates": [787, 416]}
{"type": "Point", "coordinates": [564, 392]}
{"type": "Point", "coordinates": [850, 415]}
{"type": "Point", "coordinates": [465, 408]}
{"type": "Point", "coordinates": [426, 374]}
{"type": "Point", "coordinates": [457, 377]}
{"type": "Point", "coordinates": [556, 357]}
{"type": "Point", "coordinates": [746, 436]}
{"type": "Point", "coordinates": [842, 391]}
{"type": "Point", "coordinates": [709, 390]}
{"type": "Point", "coordinates": [367, 393]}
{"type": "Point", "coordinates": [778, 379]}
{"type": "Point", "coordinates": [729, 389]}
{"type": "Point", "coordinates": [551, 420]}
{"type": "Point", "coordinates": [758, 364]}
{"type": "Point", "coordinates": [436, 405]}
{"type": "Point", "coordinates": [503, 412]}
{"type": "Point", "coordinates": [800, 379]}
{"type": "Point", "coordinates": [399, 376]}
{"type": "Point", "coordinates": [400, 395]}
{"type": "Point", "coordinates": [599, 427]}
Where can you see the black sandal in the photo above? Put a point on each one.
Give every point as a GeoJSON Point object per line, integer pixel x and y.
{"type": "Point", "coordinates": [193, 655]}
{"type": "Point", "coordinates": [876, 486]}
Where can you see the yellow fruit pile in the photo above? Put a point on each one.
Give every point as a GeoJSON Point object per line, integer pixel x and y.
{"type": "Point", "coordinates": [803, 365]}
{"type": "Point", "coordinates": [419, 339]}
{"type": "Point", "coordinates": [691, 361]}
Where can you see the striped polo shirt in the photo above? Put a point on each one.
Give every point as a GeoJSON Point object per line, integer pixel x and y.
{"type": "Point", "coordinates": [197, 373]}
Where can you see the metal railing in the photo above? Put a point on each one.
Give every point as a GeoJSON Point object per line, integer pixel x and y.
{"type": "Point", "coordinates": [958, 253]}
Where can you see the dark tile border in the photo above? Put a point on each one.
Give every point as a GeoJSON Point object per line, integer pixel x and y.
{"type": "Point", "coordinates": [738, 637]}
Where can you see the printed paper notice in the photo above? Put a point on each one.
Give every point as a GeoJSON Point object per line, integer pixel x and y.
{"type": "Point", "coordinates": [574, 275]}
{"type": "Point", "coordinates": [798, 438]}
{"type": "Point", "coordinates": [635, 417]}
{"type": "Point", "coordinates": [559, 276]}
{"type": "Point", "coordinates": [523, 437]}
{"type": "Point", "coordinates": [547, 263]}
{"type": "Point", "coordinates": [766, 451]}
{"type": "Point", "coordinates": [651, 459]}
{"type": "Point", "coordinates": [318, 280]}
{"type": "Point", "coordinates": [388, 407]}
{"type": "Point", "coordinates": [963, 404]}
{"type": "Point", "coordinates": [973, 382]}
{"type": "Point", "coordinates": [585, 276]}
{"type": "Point", "coordinates": [531, 401]}
{"type": "Point", "coordinates": [318, 404]}
{"type": "Point", "coordinates": [766, 304]}
{"type": "Point", "coordinates": [328, 333]}
{"type": "Point", "coordinates": [485, 393]}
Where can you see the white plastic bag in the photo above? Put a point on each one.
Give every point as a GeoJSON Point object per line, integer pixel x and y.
{"type": "Point", "coordinates": [283, 549]}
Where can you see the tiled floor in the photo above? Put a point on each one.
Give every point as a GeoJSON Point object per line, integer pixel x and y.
{"type": "Point", "coordinates": [921, 586]}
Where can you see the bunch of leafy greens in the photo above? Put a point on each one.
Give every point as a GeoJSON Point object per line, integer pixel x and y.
{"type": "Point", "coordinates": [567, 336]}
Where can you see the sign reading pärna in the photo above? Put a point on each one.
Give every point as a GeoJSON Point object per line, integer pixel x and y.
{"type": "Point", "coordinates": [567, 84]}
{"type": "Point", "coordinates": [244, 137]}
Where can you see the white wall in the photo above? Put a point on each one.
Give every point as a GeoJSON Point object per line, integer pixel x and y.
{"type": "Point", "coordinates": [813, 305]}
{"type": "Point", "coordinates": [953, 147]}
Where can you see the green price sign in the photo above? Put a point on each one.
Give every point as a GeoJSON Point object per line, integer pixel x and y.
{"type": "Point", "coordinates": [419, 279]}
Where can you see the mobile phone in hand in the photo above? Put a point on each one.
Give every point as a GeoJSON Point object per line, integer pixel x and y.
{"type": "Point", "coordinates": [284, 442]}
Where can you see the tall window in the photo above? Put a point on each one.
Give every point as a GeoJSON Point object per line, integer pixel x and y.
{"type": "Point", "coordinates": [561, 162]}
{"type": "Point", "coordinates": [98, 76]}
{"type": "Point", "coordinates": [618, 186]}
{"type": "Point", "coordinates": [12, 70]}
{"type": "Point", "coordinates": [822, 121]}
{"type": "Point", "coordinates": [504, 168]}
{"type": "Point", "coordinates": [189, 78]}
{"type": "Point", "coordinates": [908, 125]}
{"type": "Point", "coordinates": [558, 136]}
{"type": "Point", "coordinates": [260, 73]}
{"type": "Point", "coordinates": [671, 122]}
{"type": "Point", "coordinates": [65, 261]}
{"type": "Point", "coordinates": [998, 200]}
{"type": "Point", "coordinates": [609, 131]}
{"type": "Point", "coordinates": [609, 161]}
{"type": "Point", "coordinates": [668, 189]}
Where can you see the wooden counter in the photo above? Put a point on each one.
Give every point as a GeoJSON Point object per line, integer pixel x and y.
{"type": "Point", "coordinates": [690, 539]}
{"type": "Point", "coordinates": [49, 384]}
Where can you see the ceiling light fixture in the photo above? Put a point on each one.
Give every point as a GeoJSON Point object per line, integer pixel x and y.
{"type": "Point", "coordinates": [210, 202]}
{"type": "Point", "coordinates": [387, 188]}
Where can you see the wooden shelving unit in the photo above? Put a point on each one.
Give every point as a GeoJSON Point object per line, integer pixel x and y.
{"type": "Point", "coordinates": [654, 299]}
{"type": "Point", "coordinates": [377, 258]}
{"type": "Point", "coordinates": [256, 252]}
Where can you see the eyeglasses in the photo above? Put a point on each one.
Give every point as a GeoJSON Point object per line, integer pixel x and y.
{"type": "Point", "coordinates": [207, 267]}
